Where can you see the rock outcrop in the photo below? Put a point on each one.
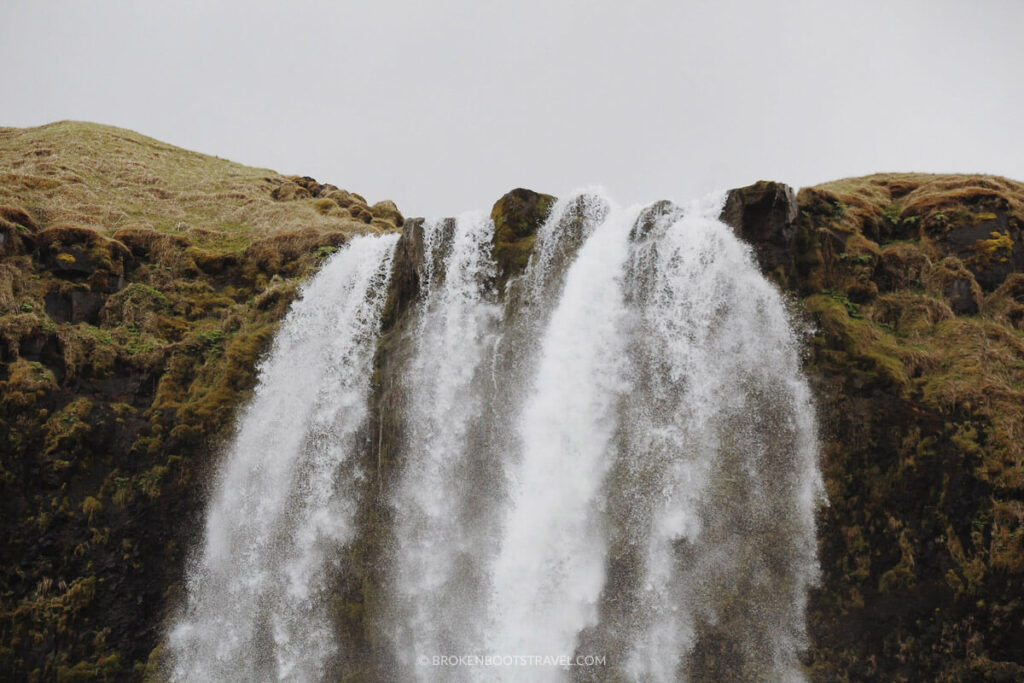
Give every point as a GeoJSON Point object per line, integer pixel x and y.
{"type": "Point", "coordinates": [764, 214]}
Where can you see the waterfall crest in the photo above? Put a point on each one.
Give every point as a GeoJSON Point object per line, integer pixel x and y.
{"type": "Point", "coordinates": [606, 468]}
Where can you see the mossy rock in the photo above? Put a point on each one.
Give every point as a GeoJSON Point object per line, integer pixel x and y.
{"type": "Point", "coordinates": [83, 255]}
{"type": "Point", "coordinates": [517, 216]}
{"type": "Point", "coordinates": [387, 212]}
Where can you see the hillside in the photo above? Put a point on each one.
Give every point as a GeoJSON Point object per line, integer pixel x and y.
{"type": "Point", "coordinates": [140, 284]}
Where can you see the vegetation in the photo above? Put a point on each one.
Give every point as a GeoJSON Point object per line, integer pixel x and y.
{"type": "Point", "coordinates": [139, 286]}
{"type": "Point", "coordinates": [918, 357]}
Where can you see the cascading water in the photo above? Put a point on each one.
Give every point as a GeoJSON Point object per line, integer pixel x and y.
{"type": "Point", "coordinates": [284, 502]}
{"type": "Point", "coordinates": [550, 571]}
{"type": "Point", "coordinates": [611, 460]}
{"type": "Point", "coordinates": [436, 576]}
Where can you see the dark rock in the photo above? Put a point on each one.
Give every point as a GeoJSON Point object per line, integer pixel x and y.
{"type": "Point", "coordinates": [74, 306]}
{"type": "Point", "coordinates": [406, 269]}
{"type": "Point", "coordinates": [961, 297]}
{"type": "Point", "coordinates": [764, 214]}
{"type": "Point", "coordinates": [989, 245]}
{"type": "Point", "coordinates": [654, 215]}
{"type": "Point", "coordinates": [83, 255]}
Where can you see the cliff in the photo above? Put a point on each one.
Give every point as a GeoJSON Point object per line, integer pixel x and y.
{"type": "Point", "coordinates": [140, 283]}
{"type": "Point", "coordinates": [914, 292]}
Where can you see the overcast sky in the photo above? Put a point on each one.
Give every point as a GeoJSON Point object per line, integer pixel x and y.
{"type": "Point", "coordinates": [444, 106]}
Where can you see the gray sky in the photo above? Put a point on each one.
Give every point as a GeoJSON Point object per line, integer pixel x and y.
{"type": "Point", "coordinates": [443, 106]}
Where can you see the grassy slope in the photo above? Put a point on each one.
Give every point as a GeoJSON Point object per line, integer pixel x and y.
{"type": "Point", "coordinates": [108, 178]}
{"type": "Point", "coordinates": [139, 284]}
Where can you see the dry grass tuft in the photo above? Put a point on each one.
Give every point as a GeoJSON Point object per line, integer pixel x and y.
{"type": "Point", "coordinates": [17, 216]}
{"type": "Point", "coordinates": [269, 253]}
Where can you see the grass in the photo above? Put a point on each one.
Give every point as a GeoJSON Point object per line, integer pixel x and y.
{"type": "Point", "coordinates": [107, 179]}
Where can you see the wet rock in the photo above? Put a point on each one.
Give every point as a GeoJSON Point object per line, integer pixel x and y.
{"type": "Point", "coordinates": [764, 214]}
{"type": "Point", "coordinates": [406, 269]}
{"type": "Point", "coordinates": [653, 216]}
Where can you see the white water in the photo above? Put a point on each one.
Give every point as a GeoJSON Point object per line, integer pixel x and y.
{"type": "Point", "coordinates": [722, 440]}
{"type": "Point", "coordinates": [284, 500]}
{"type": "Point", "coordinates": [616, 456]}
{"type": "Point", "coordinates": [550, 571]}
{"type": "Point", "coordinates": [436, 570]}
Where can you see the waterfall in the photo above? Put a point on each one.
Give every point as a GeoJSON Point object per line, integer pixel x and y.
{"type": "Point", "coordinates": [284, 501]}
{"type": "Point", "coordinates": [436, 576]}
{"type": "Point", "coordinates": [605, 469]}
{"type": "Point", "coordinates": [550, 571]}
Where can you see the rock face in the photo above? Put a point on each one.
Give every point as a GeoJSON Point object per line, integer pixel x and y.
{"type": "Point", "coordinates": [764, 214]}
{"type": "Point", "coordinates": [406, 271]}
{"type": "Point", "coordinates": [123, 356]}
{"type": "Point", "coordinates": [911, 287]}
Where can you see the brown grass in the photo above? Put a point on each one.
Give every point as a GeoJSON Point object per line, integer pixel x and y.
{"type": "Point", "coordinates": [872, 203]}
{"type": "Point", "coordinates": [109, 179]}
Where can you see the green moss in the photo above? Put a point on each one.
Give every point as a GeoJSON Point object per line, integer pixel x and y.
{"type": "Point", "coordinates": [517, 216]}
{"type": "Point", "coordinates": [869, 346]}
{"type": "Point", "coordinates": [66, 430]}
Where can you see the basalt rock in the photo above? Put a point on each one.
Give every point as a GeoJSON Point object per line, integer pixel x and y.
{"type": "Point", "coordinates": [74, 305]}
{"type": "Point", "coordinates": [918, 384]}
{"type": "Point", "coordinates": [406, 270]}
{"type": "Point", "coordinates": [984, 233]}
{"type": "Point", "coordinates": [764, 214]}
